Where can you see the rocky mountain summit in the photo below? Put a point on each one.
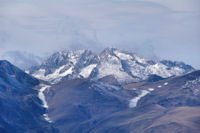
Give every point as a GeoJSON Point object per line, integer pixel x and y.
{"type": "Point", "coordinates": [123, 67]}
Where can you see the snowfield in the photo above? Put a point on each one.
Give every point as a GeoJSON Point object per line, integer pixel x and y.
{"type": "Point", "coordinates": [44, 102]}
{"type": "Point", "coordinates": [134, 101]}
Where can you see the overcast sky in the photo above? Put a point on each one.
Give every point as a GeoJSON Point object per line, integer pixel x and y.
{"type": "Point", "coordinates": [168, 29]}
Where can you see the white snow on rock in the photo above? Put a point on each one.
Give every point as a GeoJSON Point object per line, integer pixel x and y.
{"type": "Point", "coordinates": [123, 56]}
{"type": "Point", "coordinates": [41, 95]}
{"type": "Point", "coordinates": [158, 69]}
{"type": "Point", "coordinates": [124, 66]}
{"type": "Point", "coordinates": [194, 85]}
{"type": "Point", "coordinates": [133, 89]}
{"type": "Point", "coordinates": [163, 71]}
{"type": "Point", "coordinates": [151, 89]}
{"type": "Point", "coordinates": [44, 102]}
{"type": "Point", "coordinates": [140, 60]}
{"type": "Point", "coordinates": [137, 70]}
{"type": "Point", "coordinates": [46, 117]}
{"type": "Point", "coordinates": [133, 102]}
{"type": "Point", "coordinates": [112, 65]}
{"type": "Point", "coordinates": [159, 86]}
{"type": "Point", "coordinates": [55, 76]}
{"type": "Point", "coordinates": [39, 74]}
{"type": "Point", "coordinates": [27, 71]}
{"type": "Point", "coordinates": [85, 72]}
{"type": "Point", "coordinates": [106, 69]}
{"type": "Point", "coordinates": [166, 83]}
{"type": "Point", "coordinates": [67, 72]}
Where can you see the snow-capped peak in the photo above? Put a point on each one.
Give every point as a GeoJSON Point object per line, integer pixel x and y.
{"type": "Point", "coordinates": [65, 64]}
{"type": "Point", "coordinates": [123, 66]}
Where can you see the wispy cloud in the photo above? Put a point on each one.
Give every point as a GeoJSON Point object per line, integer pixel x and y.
{"type": "Point", "coordinates": [169, 27]}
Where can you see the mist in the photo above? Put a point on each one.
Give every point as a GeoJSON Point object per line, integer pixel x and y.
{"type": "Point", "coordinates": [154, 29]}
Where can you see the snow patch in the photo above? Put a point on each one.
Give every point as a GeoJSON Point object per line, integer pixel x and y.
{"type": "Point", "coordinates": [46, 117]}
{"type": "Point", "coordinates": [163, 71]}
{"type": "Point", "coordinates": [39, 74]}
{"type": "Point", "coordinates": [41, 95]}
{"type": "Point", "coordinates": [134, 101]}
{"type": "Point", "coordinates": [27, 71]}
{"type": "Point", "coordinates": [151, 89]}
{"type": "Point", "coordinates": [116, 70]}
{"type": "Point", "coordinates": [67, 72]}
{"type": "Point", "coordinates": [133, 89]}
{"type": "Point", "coordinates": [55, 76]}
{"type": "Point", "coordinates": [123, 56]}
{"type": "Point", "coordinates": [44, 102]}
{"type": "Point", "coordinates": [193, 85]}
{"type": "Point", "coordinates": [166, 83]}
{"type": "Point", "coordinates": [58, 74]}
{"type": "Point", "coordinates": [85, 72]}
{"type": "Point", "coordinates": [158, 69]}
{"type": "Point", "coordinates": [124, 66]}
{"type": "Point", "coordinates": [140, 60]}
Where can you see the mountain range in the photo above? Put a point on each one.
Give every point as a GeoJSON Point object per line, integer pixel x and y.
{"type": "Point", "coordinates": [113, 92]}
{"type": "Point", "coordinates": [123, 67]}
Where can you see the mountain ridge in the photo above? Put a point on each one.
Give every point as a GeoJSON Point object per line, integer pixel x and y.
{"type": "Point", "coordinates": [167, 105]}
{"type": "Point", "coordinates": [21, 109]}
{"type": "Point", "coordinates": [85, 105]}
{"type": "Point", "coordinates": [124, 66]}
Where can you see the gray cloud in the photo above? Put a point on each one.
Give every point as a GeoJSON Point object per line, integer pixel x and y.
{"type": "Point", "coordinates": [21, 59]}
{"type": "Point", "coordinates": [168, 29]}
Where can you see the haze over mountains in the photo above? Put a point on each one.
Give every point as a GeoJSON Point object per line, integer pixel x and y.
{"type": "Point", "coordinates": [115, 91]}
{"type": "Point", "coordinates": [23, 60]}
{"type": "Point", "coordinates": [168, 28]}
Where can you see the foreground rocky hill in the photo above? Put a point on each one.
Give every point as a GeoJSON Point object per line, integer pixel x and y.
{"type": "Point", "coordinates": [85, 106]}
{"type": "Point", "coordinates": [21, 109]}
